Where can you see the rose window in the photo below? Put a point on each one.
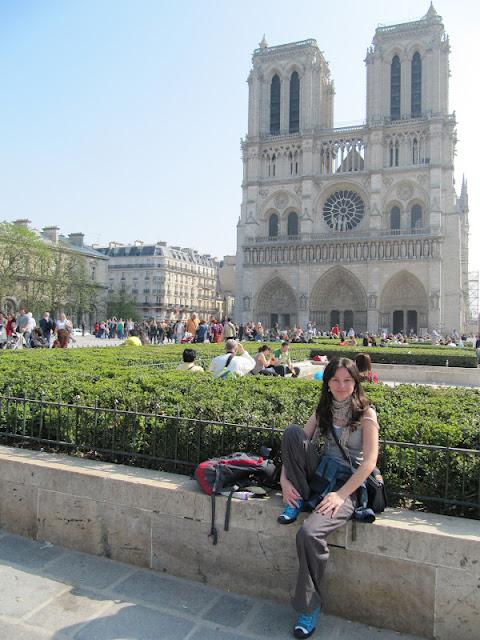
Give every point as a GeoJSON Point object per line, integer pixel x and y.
{"type": "Point", "coordinates": [343, 210]}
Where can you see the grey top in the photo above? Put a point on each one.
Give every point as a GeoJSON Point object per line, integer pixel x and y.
{"type": "Point", "coordinates": [352, 442]}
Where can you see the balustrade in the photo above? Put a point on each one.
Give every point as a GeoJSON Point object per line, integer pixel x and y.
{"type": "Point", "coordinates": [404, 248]}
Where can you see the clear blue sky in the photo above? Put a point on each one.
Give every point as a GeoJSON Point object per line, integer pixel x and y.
{"type": "Point", "coordinates": [123, 118]}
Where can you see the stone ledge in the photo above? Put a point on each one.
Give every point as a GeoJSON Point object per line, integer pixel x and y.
{"type": "Point", "coordinates": [423, 564]}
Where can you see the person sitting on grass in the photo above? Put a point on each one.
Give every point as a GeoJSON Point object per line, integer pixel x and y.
{"type": "Point", "coordinates": [364, 366]}
{"type": "Point", "coordinates": [133, 340]}
{"type": "Point", "coordinates": [283, 363]}
{"type": "Point", "coordinates": [234, 362]}
{"type": "Point", "coordinates": [188, 363]}
{"type": "Point", "coordinates": [264, 361]}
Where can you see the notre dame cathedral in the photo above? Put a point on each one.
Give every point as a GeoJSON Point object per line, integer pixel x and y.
{"type": "Point", "coordinates": [356, 225]}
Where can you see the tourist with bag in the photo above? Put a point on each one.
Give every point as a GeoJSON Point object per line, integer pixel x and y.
{"type": "Point", "coordinates": [332, 485]}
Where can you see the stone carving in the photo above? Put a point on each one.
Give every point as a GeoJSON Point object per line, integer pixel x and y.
{"type": "Point", "coordinates": [404, 191]}
{"type": "Point", "coordinates": [281, 201]}
{"type": "Point", "coordinates": [263, 193]}
{"type": "Point", "coordinates": [246, 303]}
{"type": "Point", "coordinates": [303, 302]}
{"type": "Point", "coordinates": [306, 215]}
{"type": "Point", "coordinates": [372, 301]}
{"type": "Point", "coordinates": [251, 218]}
{"type": "Point", "coordinates": [387, 180]}
{"type": "Point", "coordinates": [298, 189]}
{"type": "Point", "coordinates": [435, 300]}
{"type": "Point", "coordinates": [422, 178]}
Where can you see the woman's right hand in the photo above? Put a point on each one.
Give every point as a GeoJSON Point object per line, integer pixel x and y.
{"type": "Point", "coordinates": [289, 493]}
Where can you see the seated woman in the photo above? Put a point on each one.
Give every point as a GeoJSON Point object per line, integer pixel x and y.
{"type": "Point", "coordinates": [37, 340]}
{"type": "Point", "coordinates": [343, 418]}
{"type": "Point", "coordinates": [62, 340]}
{"type": "Point", "coordinates": [264, 362]}
{"type": "Point", "coordinates": [364, 366]}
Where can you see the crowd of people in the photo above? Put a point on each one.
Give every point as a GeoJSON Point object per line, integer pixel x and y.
{"type": "Point", "coordinates": [23, 330]}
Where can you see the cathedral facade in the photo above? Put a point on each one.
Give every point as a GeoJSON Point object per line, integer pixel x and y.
{"type": "Point", "coordinates": [356, 225]}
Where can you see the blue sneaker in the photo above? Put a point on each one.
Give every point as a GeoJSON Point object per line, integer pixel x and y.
{"type": "Point", "coordinates": [290, 514]}
{"type": "Point", "coordinates": [306, 624]}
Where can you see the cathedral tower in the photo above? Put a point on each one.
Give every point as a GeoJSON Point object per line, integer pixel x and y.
{"type": "Point", "coordinates": [356, 225]}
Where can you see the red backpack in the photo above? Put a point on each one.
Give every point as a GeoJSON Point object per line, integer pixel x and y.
{"type": "Point", "coordinates": [231, 473]}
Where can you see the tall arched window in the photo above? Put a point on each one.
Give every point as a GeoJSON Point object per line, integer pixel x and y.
{"type": "Point", "coordinates": [294, 115]}
{"type": "Point", "coordinates": [415, 159]}
{"type": "Point", "coordinates": [275, 105]}
{"type": "Point", "coordinates": [395, 218]}
{"type": "Point", "coordinates": [395, 82]}
{"type": "Point", "coordinates": [273, 226]}
{"type": "Point", "coordinates": [416, 86]}
{"type": "Point", "coordinates": [416, 216]}
{"type": "Point", "coordinates": [292, 224]}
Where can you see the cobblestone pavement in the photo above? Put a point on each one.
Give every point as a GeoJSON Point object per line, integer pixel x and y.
{"type": "Point", "coordinates": [49, 593]}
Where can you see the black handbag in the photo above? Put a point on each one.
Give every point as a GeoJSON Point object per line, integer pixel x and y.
{"type": "Point", "coordinates": [377, 495]}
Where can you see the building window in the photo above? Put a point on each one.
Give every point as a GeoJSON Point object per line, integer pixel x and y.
{"type": "Point", "coordinates": [273, 226]}
{"type": "Point", "coordinates": [415, 159]}
{"type": "Point", "coordinates": [416, 217]}
{"type": "Point", "coordinates": [343, 210]}
{"type": "Point", "coordinates": [275, 105]}
{"type": "Point", "coordinates": [416, 86]}
{"type": "Point", "coordinates": [294, 116]}
{"type": "Point", "coordinates": [395, 218]}
{"type": "Point", "coordinates": [292, 224]}
{"type": "Point", "coordinates": [395, 71]}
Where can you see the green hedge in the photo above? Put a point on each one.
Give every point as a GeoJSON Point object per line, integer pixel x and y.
{"type": "Point", "coordinates": [129, 379]}
{"type": "Point", "coordinates": [403, 355]}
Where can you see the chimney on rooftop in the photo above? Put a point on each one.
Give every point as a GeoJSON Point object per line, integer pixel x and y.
{"type": "Point", "coordinates": [51, 233]}
{"type": "Point", "coordinates": [22, 222]}
{"type": "Point", "coordinates": [76, 239]}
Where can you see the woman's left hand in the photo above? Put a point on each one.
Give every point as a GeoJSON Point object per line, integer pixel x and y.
{"type": "Point", "coordinates": [330, 505]}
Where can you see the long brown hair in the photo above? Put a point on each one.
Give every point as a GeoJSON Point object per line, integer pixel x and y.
{"type": "Point", "coordinates": [324, 408]}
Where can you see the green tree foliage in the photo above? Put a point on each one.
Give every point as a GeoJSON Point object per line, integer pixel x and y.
{"type": "Point", "coordinates": [43, 277]}
{"type": "Point", "coordinates": [121, 304]}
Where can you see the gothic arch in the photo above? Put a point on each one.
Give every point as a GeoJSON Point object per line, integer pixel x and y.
{"type": "Point", "coordinates": [279, 201]}
{"type": "Point", "coordinates": [339, 290]}
{"type": "Point", "coordinates": [403, 298]}
{"type": "Point", "coordinates": [276, 299]}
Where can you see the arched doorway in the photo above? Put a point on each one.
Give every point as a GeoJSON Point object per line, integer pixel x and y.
{"type": "Point", "coordinates": [276, 303]}
{"type": "Point", "coordinates": [338, 297]}
{"type": "Point", "coordinates": [403, 304]}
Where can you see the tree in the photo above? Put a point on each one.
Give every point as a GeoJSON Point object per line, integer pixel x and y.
{"type": "Point", "coordinates": [23, 259]}
{"type": "Point", "coordinates": [121, 304]}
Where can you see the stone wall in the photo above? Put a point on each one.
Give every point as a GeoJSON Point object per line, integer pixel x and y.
{"type": "Point", "coordinates": [412, 572]}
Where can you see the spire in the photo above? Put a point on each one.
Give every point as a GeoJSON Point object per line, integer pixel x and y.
{"type": "Point", "coordinates": [263, 44]}
{"type": "Point", "coordinates": [463, 199]}
{"type": "Point", "coordinates": [431, 13]}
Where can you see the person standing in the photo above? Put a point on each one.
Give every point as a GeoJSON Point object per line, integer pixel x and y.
{"type": "Point", "coordinates": [229, 330]}
{"type": "Point", "coordinates": [47, 327]}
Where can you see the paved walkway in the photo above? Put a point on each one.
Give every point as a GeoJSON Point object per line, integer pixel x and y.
{"type": "Point", "coordinates": [50, 593]}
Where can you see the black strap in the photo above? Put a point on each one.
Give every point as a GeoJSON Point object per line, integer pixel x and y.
{"type": "Point", "coordinates": [229, 508]}
{"type": "Point", "coordinates": [213, 528]}
{"type": "Point", "coordinates": [335, 437]}
{"type": "Point", "coordinates": [229, 359]}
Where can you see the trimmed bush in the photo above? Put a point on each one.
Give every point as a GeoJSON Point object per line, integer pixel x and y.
{"type": "Point", "coordinates": [130, 380]}
{"type": "Point", "coordinates": [437, 357]}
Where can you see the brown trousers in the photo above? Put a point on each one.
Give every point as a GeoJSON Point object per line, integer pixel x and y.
{"type": "Point", "coordinates": [300, 459]}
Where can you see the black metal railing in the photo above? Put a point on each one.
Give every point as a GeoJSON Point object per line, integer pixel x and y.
{"type": "Point", "coordinates": [435, 478]}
